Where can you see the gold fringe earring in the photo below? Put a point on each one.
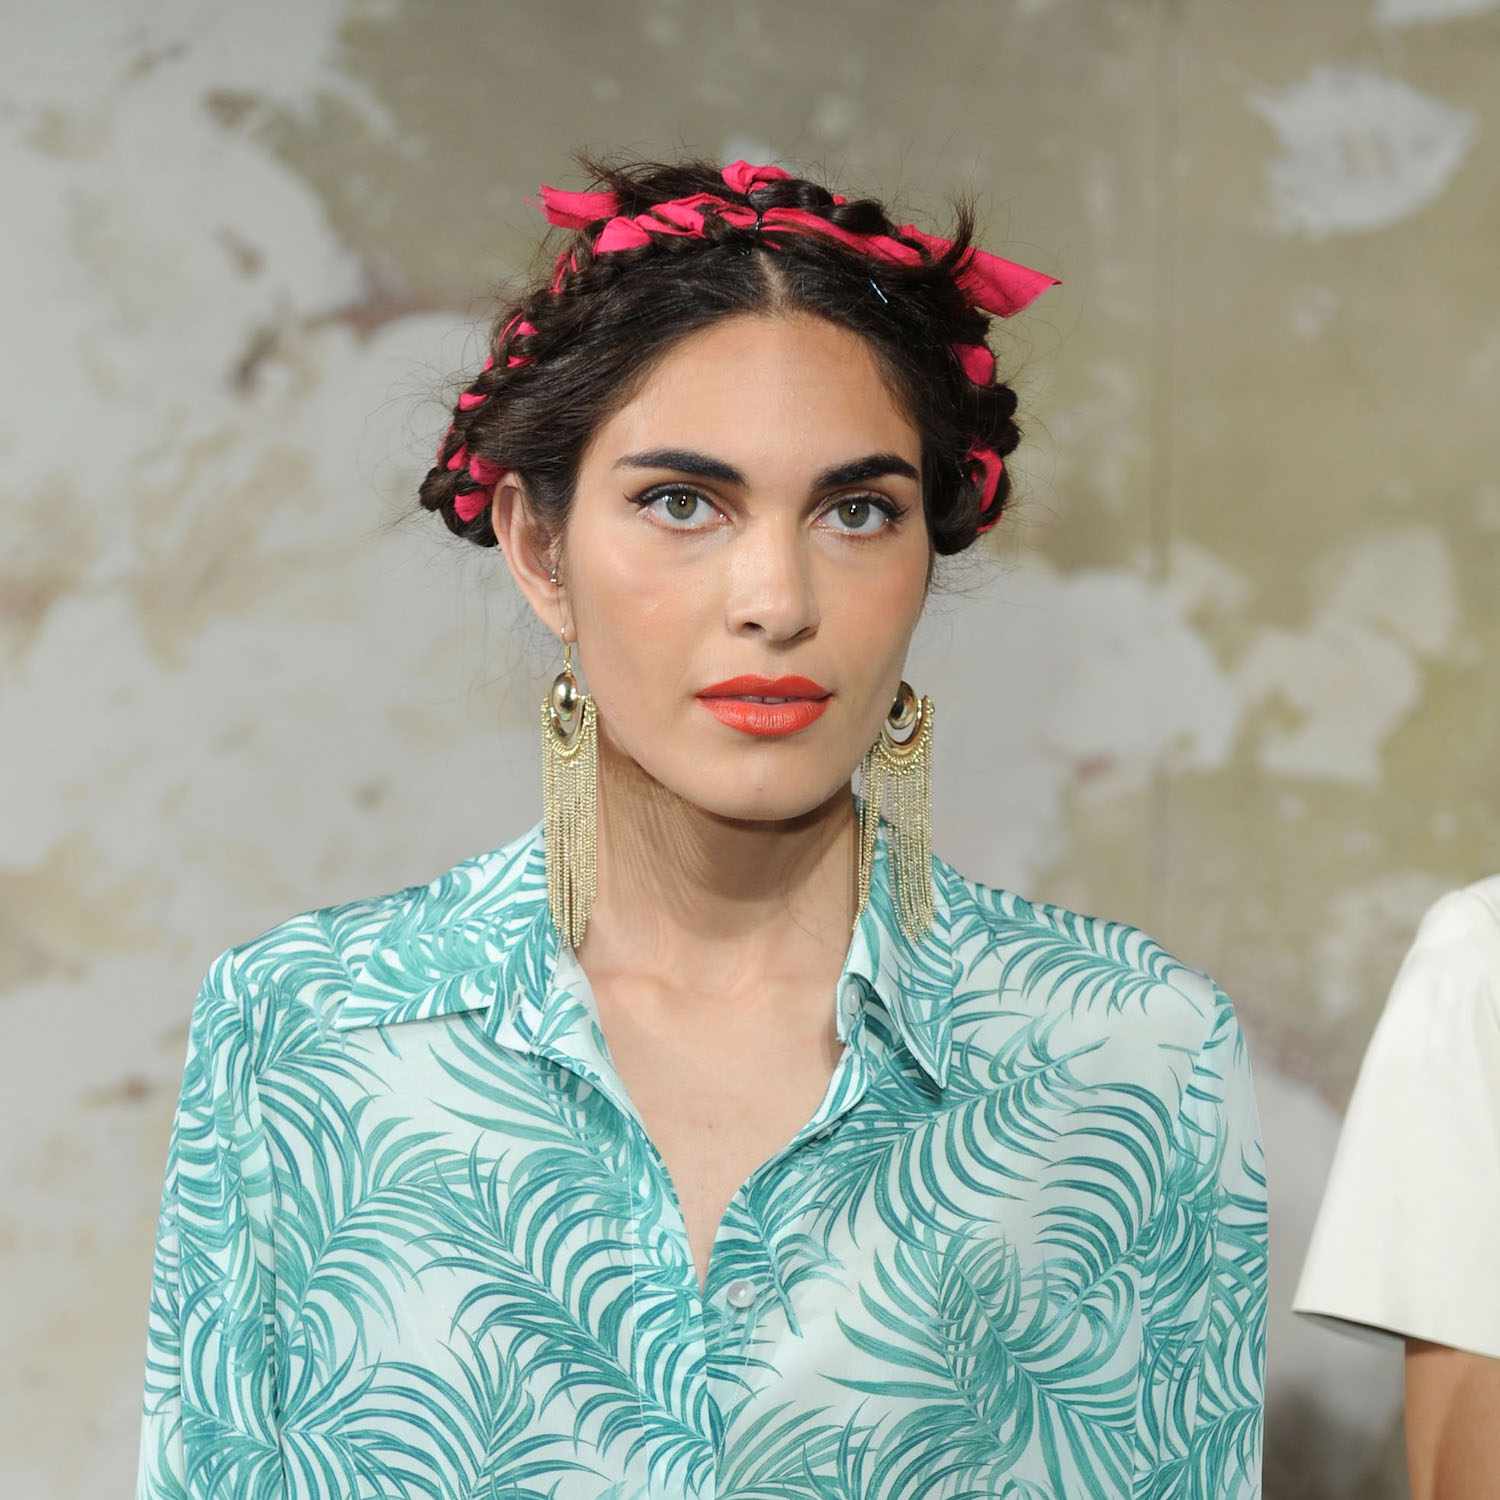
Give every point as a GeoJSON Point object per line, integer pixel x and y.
{"type": "Point", "coordinates": [897, 779]}
{"type": "Point", "coordinates": [570, 801]}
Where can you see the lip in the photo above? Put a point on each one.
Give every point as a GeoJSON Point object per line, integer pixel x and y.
{"type": "Point", "coordinates": [765, 687]}
{"type": "Point", "coordinates": [727, 702]}
{"type": "Point", "coordinates": [765, 718]}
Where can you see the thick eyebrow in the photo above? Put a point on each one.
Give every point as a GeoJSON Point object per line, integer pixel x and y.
{"type": "Point", "coordinates": [687, 461]}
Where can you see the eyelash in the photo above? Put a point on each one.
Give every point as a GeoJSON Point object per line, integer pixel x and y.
{"type": "Point", "coordinates": [888, 508]}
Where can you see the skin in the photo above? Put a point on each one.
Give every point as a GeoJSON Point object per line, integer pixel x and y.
{"type": "Point", "coordinates": [1452, 1422]}
{"type": "Point", "coordinates": [727, 861]}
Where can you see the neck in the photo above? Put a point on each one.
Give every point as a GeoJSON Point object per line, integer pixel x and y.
{"type": "Point", "coordinates": [729, 901]}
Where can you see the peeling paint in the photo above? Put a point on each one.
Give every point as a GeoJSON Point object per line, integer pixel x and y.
{"type": "Point", "coordinates": [1415, 12]}
{"type": "Point", "coordinates": [1354, 674]}
{"type": "Point", "coordinates": [1360, 151]}
{"type": "Point", "coordinates": [1228, 665]}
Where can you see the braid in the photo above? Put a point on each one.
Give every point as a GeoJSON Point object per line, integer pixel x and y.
{"type": "Point", "coordinates": [676, 260]}
{"type": "Point", "coordinates": [460, 482]}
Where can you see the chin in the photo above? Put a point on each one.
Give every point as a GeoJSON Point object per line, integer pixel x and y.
{"type": "Point", "coordinates": [740, 778]}
{"type": "Point", "coordinates": [777, 794]}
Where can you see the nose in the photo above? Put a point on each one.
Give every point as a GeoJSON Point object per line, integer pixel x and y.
{"type": "Point", "coordinates": [772, 587]}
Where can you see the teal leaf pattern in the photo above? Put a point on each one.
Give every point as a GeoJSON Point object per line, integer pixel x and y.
{"type": "Point", "coordinates": [415, 1242]}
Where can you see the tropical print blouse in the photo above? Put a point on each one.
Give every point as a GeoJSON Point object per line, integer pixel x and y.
{"type": "Point", "coordinates": [416, 1242]}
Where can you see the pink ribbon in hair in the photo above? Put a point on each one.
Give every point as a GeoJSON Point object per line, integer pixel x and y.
{"type": "Point", "coordinates": [577, 210]}
{"type": "Point", "coordinates": [485, 473]}
{"type": "Point", "coordinates": [992, 284]}
{"type": "Point", "coordinates": [1001, 287]}
{"type": "Point", "coordinates": [991, 466]}
{"type": "Point", "coordinates": [977, 361]}
{"type": "Point", "coordinates": [468, 505]}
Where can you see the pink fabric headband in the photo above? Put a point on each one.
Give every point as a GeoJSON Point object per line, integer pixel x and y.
{"type": "Point", "coordinates": [997, 286]}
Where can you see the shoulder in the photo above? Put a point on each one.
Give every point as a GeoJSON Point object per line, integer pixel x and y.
{"type": "Point", "coordinates": [1046, 958]}
{"type": "Point", "coordinates": [1433, 1061]}
{"type": "Point", "coordinates": [1417, 1166]}
{"type": "Point", "coordinates": [1466, 920]}
{"type": "Point", "coordinates": [305, 965]}
{"type": "Point", "coordinates": [1149, 1045]}
{"type": "Point", "coordinates": [1454, 958]}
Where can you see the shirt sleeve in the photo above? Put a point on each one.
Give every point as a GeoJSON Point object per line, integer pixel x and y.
{"type": "Point", "coordinates": [209, 1424]}
{"type": "Point", "coordinates": [1205, 1340]}
{"type": "Point", "coordinates": [1407, 1238]}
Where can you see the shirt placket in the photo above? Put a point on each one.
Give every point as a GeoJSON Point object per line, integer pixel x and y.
{"type": "Point", "coordinates": [746, 1312]}
{"type": "Point", "coordinates": [715, 1329]}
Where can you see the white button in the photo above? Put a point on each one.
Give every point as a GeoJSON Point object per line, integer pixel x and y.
{"type": "Point", "coordinates": [740, 1293]}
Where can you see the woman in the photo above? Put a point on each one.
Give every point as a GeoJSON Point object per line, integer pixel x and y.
{"type": "Point", "coordinates": [1407, 1241]}
{"type": "Point", "coordinates": [712, 1137]}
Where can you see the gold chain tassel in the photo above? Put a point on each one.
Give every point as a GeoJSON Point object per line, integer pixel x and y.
{"type": "Point", "coordinates": [570, 811]}
{"type": "Point", "coordinates": [897, 778]}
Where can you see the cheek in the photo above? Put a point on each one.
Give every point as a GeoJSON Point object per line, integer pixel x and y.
{"type": "Point", "coordinates": [879, 615]}
{"type": "Point", "coordinates": [636, 627]}
{"type": "Point", "coordinates": [882, 620]}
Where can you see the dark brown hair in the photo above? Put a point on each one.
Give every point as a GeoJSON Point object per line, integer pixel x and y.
{"type": "Point", "coordinates": [604, 321]}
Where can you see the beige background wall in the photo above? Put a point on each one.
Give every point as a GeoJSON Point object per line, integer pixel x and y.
{"type": "Point", "coordinates": [1234, 659]}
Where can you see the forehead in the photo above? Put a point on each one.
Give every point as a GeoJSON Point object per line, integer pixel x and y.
{"type": "Point", "coordinates": [779, 391]}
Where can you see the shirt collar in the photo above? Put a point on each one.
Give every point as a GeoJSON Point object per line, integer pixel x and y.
{"type": "Point", "coordinates": [480, 933]}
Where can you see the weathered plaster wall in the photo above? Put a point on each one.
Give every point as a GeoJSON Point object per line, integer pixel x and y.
{"type": "Point", "coordinates": [1248, 605]}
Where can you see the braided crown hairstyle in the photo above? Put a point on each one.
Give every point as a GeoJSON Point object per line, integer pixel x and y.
{"type": "Point", "coordinates": [573, 349]}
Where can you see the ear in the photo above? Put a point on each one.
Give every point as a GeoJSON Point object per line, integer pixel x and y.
{"type": "Point", "coordinates": [531, 553]}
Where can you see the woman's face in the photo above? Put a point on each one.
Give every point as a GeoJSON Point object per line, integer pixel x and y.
{"type": "Point", "coordinates": [755, 509]}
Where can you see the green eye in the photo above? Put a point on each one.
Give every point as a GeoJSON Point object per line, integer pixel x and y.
{"type": "Point", "coordinates": [679, 508]}
{"type": "Point", "coordinates": [681, 505]}
{"type": "Point", "coordinates": [682, 509]}
{"type": "Point", "coordinates": [854, 514]}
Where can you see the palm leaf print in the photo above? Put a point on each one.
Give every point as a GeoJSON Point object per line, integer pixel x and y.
{"type": "Point", "coordinates": [354, 1431]}
{"type": "Point", "coordinates": [343, 1218]}
{"type": "Point", "coordinates": [1230, 1356]}
{"type": "Point", "coordinates": [1112, 1193]}
{"type": "Point", "coordinates": [580, 1151]}
{"type": "Point", "coordinates": [480, 948]}
{"type": "Point", "coordinates": [341, 1248]}
{"type": "Point", "coordinates": [911, 1156]}
{"type": "Point", "coordinates": [212, 1282]}
{"type": "Point", "coordinates": [315, 958]}
{"type": "Point", "coordinates": [759, 1240]}
{"type": "Point", "coordinates": [417, 1243]}
{"type": "Point", "coordinates": [1055, 951]}
{"type": "Point", "coordinates": [779, 1449]}
{"type": "Point", "coordinates": [960, 1334]}
{"type": "Point", "coordinates": [568, 1311]}
{"type": "Point", "coordinates": [326, 1448]}
{"type": "Point", "coordinates": [1205, 1329]}
{"type": "Point", "coordinates": [486, 1435]}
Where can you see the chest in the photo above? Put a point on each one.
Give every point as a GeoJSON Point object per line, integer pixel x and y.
{"type": "Point", "coordinates": [458, 1212]}
{"type": "Point", "coordinates": [720, 1093]}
